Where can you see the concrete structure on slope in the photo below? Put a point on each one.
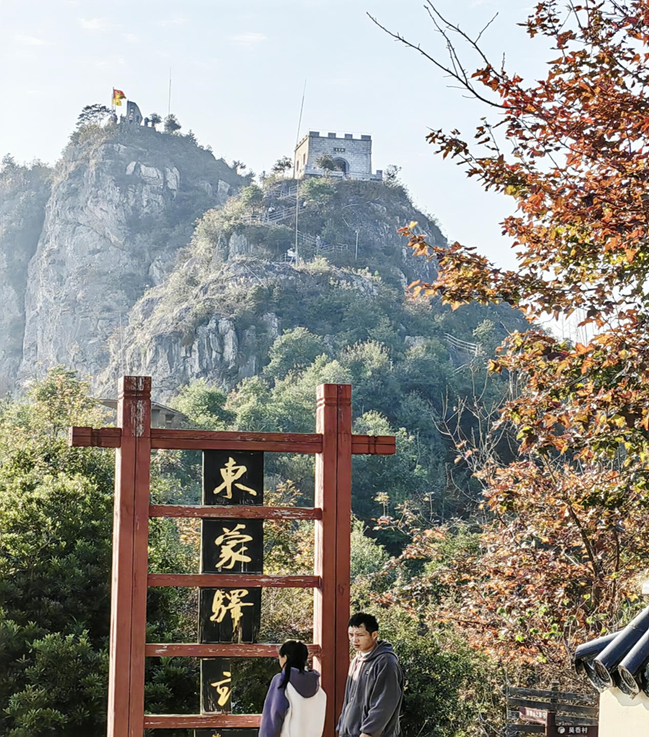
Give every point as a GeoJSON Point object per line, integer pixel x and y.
{"type": "Point", "coordinates": [352, 156]}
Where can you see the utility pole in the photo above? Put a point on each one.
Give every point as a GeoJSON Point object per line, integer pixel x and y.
{"type": "Point", "coordinates": [356, 256]}
{"type": "Point", "coordinates": [297, 184]}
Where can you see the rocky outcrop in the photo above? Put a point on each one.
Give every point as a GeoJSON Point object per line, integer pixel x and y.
{"type": "Point", "coordinates": [113, 275]}
{"type": "Point", "coordinates": [215, 333]}
{"type": "Point", "coordinates": [123, 203]}
{"type": "Point", "coordinates": [220, 310]}
{"type": "Point", "coordinates": [24, 192]}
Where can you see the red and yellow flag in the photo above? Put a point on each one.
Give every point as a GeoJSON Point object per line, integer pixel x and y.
{"type": "Point", "coordinates": [118, 96]}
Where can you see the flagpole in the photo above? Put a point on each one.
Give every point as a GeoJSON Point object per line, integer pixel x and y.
{"type": "Point", "coordinates": [299, 126]}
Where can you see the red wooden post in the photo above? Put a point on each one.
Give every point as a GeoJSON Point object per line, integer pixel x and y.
{"type": "Point", "coordinates": [333, 496]}
{"type": "Point", "coordinates": [551, 721]}
{"type": "Point", "coordinates": [343, 537]}
{"type": "Point", "coordinates": [130, 559]}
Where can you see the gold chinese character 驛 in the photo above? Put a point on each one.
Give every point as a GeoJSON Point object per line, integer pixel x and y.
{"type": "Point", "coordinates": [230, 474]}
{"type": "Point", "coordinates": [232, 602]}
{"type": "Point", "coordinates": [223, 688]}
{"type": "Point", "coordinates": [229, 541]}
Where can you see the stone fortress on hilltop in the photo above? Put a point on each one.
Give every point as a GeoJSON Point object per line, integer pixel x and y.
{"type": "Point", "coordinates": [352, 156]}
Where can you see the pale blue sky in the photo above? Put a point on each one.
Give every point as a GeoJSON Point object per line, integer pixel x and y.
{"type": "Point", "coordinates": [238, 68]}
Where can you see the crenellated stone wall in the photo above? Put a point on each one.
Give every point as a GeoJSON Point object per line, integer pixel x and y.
{"type": "Point", "coordinates": [354, 155]}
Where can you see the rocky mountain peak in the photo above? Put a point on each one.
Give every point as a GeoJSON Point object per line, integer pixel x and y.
{"type": "Point", "coordinates": [122, 203]}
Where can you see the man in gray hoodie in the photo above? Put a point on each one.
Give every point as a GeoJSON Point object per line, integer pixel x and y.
{"type": "Point", "coordinates": [374, 689]}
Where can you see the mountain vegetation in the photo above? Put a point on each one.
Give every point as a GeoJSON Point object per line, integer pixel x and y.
{"type": "Point", "coordinates": [55, 557]}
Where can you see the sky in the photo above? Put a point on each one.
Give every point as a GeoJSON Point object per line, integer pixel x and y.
{"type": "Point", "coordinates": [238, 70]}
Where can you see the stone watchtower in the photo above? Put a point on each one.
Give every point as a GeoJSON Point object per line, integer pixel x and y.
{"type": "Point", "coordinates": [352, 155]}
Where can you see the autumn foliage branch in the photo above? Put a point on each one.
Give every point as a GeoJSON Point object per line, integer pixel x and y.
{"type": "Point", "coordinates": [560, 557]}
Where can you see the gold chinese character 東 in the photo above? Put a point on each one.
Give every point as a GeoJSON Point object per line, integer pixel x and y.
{"type": "Point", "coordinates": [223, 688]}
{"type": "Point", "coordinates": [229, 540]}
{"type": "Point", "coordinates": [232, 602]}
{"type": "Point", "coordinates": [230, 475]}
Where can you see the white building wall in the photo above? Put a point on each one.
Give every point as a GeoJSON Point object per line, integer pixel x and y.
{"type": "Point", "coordinates": [621, 716]}
{"type": "Point", "coordinates": [355, 152]}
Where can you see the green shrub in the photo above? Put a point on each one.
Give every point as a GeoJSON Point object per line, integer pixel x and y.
{"type": "Point", "coordinates": [317, 190]}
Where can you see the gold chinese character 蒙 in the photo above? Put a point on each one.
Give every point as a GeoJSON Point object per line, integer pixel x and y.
{"type": "Point", "coordinates": [229, 540]}
{"type": "Point", "coordinates": [232, 602]}
{"type": "Point", "coordinates": [230, 474]}
{"type": "Point", "coordinates": [223, 688]}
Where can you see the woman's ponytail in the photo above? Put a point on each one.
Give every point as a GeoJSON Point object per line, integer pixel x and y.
{"type": "Point", "coordinates": [296, 654]}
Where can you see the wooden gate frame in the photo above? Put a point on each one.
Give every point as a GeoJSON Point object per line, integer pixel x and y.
{"type": "Point", "coordinates": [333, 446]}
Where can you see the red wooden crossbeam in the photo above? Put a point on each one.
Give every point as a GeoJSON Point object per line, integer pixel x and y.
{"type": "Point", "coordinates": [162, 438]}
{"type": "Point", "coordinates": [272, 442]}
{"type": "Point", "coordinates": [233, 580]}
{"type": "Point", "coordinates": [89, 437]}
{"type": "Point", "coordinates": [220, 650]}
{"type": "Point", "coordinates": [374, 445]}
{"type": "Point", "coordinates": [234, 512]}
{"type": "Point", "coordinates": [196, 721]}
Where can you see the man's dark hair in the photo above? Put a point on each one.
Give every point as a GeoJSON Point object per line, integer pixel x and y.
{"type": "Point", "coordinates": [360, 619]}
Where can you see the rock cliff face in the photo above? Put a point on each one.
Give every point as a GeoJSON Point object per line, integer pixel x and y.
{"type": "Point", "coordinates": [24, 192]}
{"type": "Point", "coordinates": [123, 201]}
{"type": "Point", "coordinates": [224, 331]}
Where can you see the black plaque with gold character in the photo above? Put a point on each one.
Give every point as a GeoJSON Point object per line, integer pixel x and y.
{"type": "Point", "coordinates": [229, 615]}
{"type": "Point", "coordinates": [233, 477]}
{"type": "Point", "coordinates": [232, 546]}
{"type": "Point", "coordinates": [216, 685]}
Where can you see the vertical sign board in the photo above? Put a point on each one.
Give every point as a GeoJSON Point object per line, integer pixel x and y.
{"type": "Point", "coordinates": [228, 615]}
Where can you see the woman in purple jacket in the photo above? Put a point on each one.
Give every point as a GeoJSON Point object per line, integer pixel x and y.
{"type": "Point", "coordinates": [295, 705]}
